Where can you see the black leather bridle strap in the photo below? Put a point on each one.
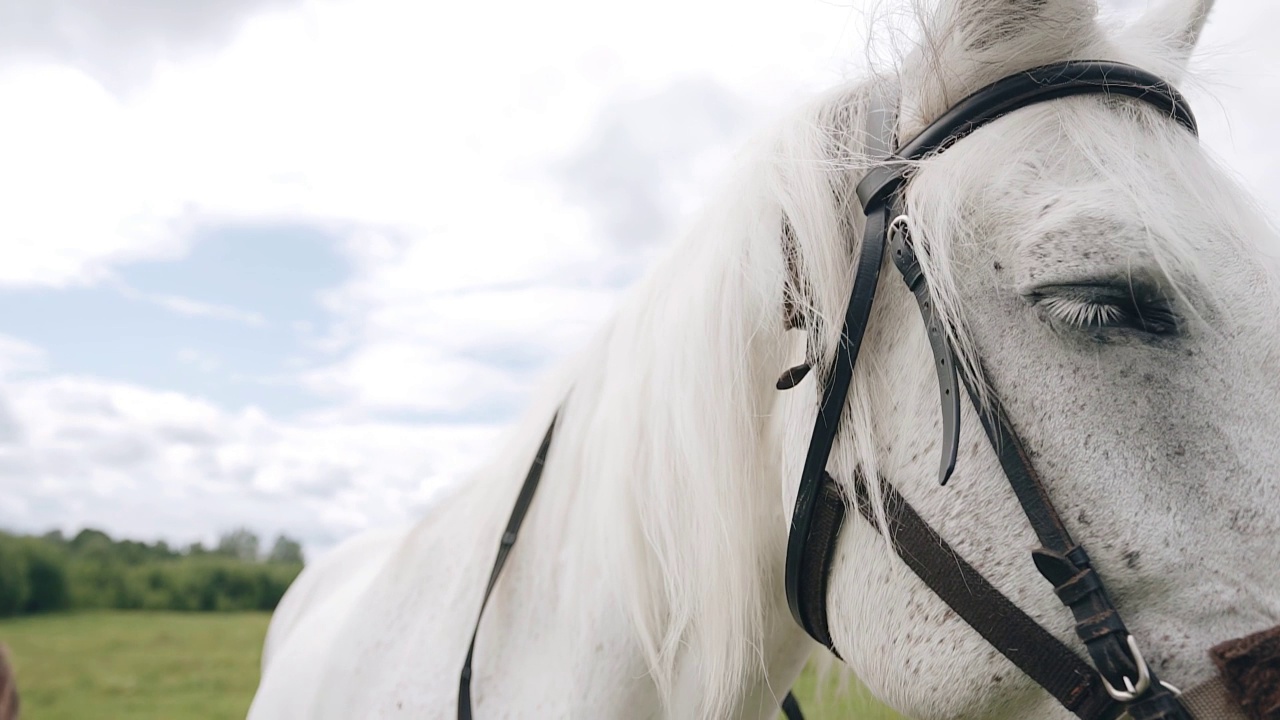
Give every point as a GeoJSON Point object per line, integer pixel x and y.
{"type": "Point", "coordinates": [818, 508]}
{"type": "Point", "coordinates": [806, 574]}
{"type": "Point", "coordinates": [1030, 87]}
{"type": "Point", "coordinates": [1000, 622]}
{"type": "Point", "coordinates": [1067, 566]}
{"type": "Point", "coordinates": [523, 500]}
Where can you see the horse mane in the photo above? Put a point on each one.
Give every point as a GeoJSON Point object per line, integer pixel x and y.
{"type": "Point", "coordinates": [669, 424]}
{"type": "Point", "coordinates": [669, 431]}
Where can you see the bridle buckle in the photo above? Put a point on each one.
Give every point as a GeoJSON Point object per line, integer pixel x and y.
{"type": "Point", "coordinates": [1131, 692]}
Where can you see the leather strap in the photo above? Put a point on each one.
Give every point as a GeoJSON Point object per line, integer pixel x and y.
{"type": "Point", "coordinates": [791, 708]}
{"type": "Point", "coordinates": [1067, 566]}
{"type": "Point", "coordinates": [824, 530]}
{"type": "Point", "coordinates": [902, 251]}
{"type": "Point", "coordinates": [999, 621]}
{"type": "Point", "coordinates": [806, 571]}
{"type": "Point", "coordinates": [1030, 87]}
{"type": "Point", "coordinates": [523, 501]}
{"type": "Point", "coordinates": [835, 390]}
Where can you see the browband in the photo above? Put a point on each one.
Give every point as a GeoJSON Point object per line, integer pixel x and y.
{"type": "Point", "coordinates": [1030, 87]}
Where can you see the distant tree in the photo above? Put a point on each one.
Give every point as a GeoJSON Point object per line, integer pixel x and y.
{"type": "Point", "coordinates": [47, 586]}
{"type": "Point", "coordinates": [15, 587]}
{"type": "Point", "coordinates": [90, 536]}
{"type": "Point", "coordinates": [241, 544]}
{"type": "Point", "coordinates": [94, 543]}
{"type": "Point", "coordinates": [44, 574]}
{"type": "Point", "coordinates": [286, 550]}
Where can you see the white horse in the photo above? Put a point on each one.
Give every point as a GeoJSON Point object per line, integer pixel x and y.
{"type": "Point", "coordinates": [647, 581]}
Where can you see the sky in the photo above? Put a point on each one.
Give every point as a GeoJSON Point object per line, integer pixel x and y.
{"type": "Point", "coordinates": [292, 264]}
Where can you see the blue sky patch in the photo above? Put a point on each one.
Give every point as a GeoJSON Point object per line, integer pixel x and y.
{"type": "Point", "coordinates": [232, 322]}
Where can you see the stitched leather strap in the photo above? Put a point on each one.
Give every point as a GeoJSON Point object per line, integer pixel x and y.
{"type": "Point", "coordinates": [997, 619]}
{"type": "Point", "coordinates": [1037, 85]}
{"type": "Point", "coordinates": [800, 564]}
{"type": "Point", "coordinates": [1067, 566]}
{"type": "Point", "coordinates": [808, 563]}
{"type": "Point", "coordinates": [903, 253]}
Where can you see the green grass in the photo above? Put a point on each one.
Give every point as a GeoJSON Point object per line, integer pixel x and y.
{"type": "Point", "coordinates": [824, 701]}
{"type": "Point", "coordinates": [136, 665]}
{"type": "Point", "coordinates": [183, 666]}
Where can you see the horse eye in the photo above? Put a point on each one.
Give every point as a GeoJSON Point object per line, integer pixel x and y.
{"type": "Point", "coordinates": [1106, 307]}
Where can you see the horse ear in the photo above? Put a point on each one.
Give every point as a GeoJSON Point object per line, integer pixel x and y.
{"type": "Point", "coordinates": [1172, 26]}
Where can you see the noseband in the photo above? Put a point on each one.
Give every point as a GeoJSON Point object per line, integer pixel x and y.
{"type": "Point", "coordinates": [1119, 679]}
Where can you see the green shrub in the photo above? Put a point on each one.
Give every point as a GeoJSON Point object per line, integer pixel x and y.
{"type": "Point", "coordinates": [46, 576]}
{"type": "Point", "coordinates": [92, 571]}
{"type": "Point", "coordinates": [15, 586]}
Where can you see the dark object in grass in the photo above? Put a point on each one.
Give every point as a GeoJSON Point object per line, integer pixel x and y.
{"type": "Point", "coordinates": [8, 687]}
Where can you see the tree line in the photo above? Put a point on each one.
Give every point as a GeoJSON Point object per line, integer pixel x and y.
{"type": "Point", "coordinates": [50, 573]}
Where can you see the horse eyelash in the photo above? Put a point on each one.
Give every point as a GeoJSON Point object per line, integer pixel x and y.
{"type": "Point", "coordinates": [1081, 313]}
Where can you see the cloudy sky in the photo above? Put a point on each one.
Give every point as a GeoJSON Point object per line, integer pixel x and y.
{"type": "Point", "coordinates": [291, 264]}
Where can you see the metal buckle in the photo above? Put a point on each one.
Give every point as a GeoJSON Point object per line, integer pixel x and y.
{"type": "Point", "coordinates": [1131, 692]}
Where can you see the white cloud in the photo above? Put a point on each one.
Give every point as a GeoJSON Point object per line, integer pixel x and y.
{"type": "Point", "coordinates": [144, 463]}
{"type": "Point", "coordinates": [426, 118]}
{"type": "Point", "coordinates": [119, 43]}
{"type": "Point", "coordinates": [646, 161]}
{"type": "Point", "coordinates": [18, 356]}
{"type": "Point", "coordinates": [448, 352]}
{"type": "Point", "coordinates": [193, 308]}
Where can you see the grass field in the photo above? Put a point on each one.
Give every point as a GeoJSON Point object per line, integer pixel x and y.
{"type": "Point", "coordinates": [188, 666]}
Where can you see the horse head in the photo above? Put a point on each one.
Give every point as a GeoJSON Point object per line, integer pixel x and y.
{"type": "Point", "coordinates": [1103, 283]}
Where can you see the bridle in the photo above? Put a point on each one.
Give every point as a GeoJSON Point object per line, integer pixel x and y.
{"type": "Point", "coordinates": [1118, 679]}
